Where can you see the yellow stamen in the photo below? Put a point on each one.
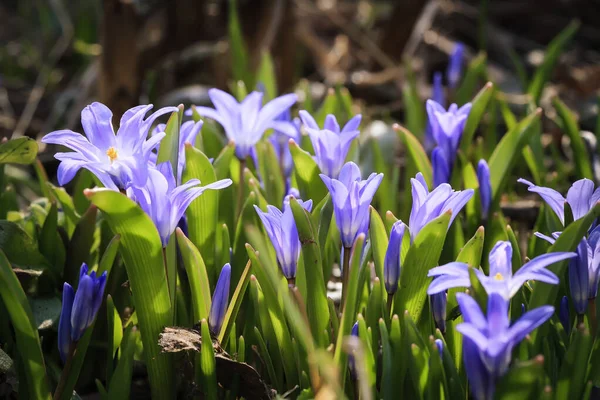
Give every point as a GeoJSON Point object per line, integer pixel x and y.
{"type": "Point", "coordinates": [111, 153]}
{"type": "Point", "coordinates": [499, 277]}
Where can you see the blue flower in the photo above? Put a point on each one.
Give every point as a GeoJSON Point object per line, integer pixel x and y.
{"type": "Point", "coordinates": [581, 198]}
{"type": "Point", "coordinates": [79, 308]}
{"type": "Point", "coordinates": [351, 198]}
{"type": "Point", "coordinates": [501, 279]}
{"type": "Point", "coordinates": [220, 300]}
{"type": "Point", "coordinates": [187, 134]}
{"type": "Point", "coordinates": [246, 122]}
{"type": "Point", "coordinates": [492, 338]}
{"type": "Point", "coordinates": [584, 270]}
{"type": "Point", "coordinates": [165, 202]}
{"type": "Point", "coordinates": [118, 160]}
{"type": "Point", "coordinates": [391, 263]}
{"type": "Point", "coordinates": [427, 206]}
{"type": "Point", "coordinates": [331, 144]}
{"type": "Point", "coordinates": [455, 65]}
{"type": "Point", "coordinates": [447, 127]}
{"type": "Point", "coordinates": [282, 230]}
{"type": "Point", "coordinates": [485, 187]}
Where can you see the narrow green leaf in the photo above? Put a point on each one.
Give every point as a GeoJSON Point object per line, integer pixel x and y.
{"type": "Point", "coordinates": [415, 114]}
{"type": "Point", "coordinates": [573, 371]}
{"type": "Point", "coordinates": [417, 154]}
{"type": "Point", "coordinates": [553, 51]}
{"type": "Point", "coordinates": [114, 335]}
{"type": "Point", "coordinates": [21, 150]}
{"type": "Point", "coordinates": [28, 341]}
{"type": "Point", "coordinates": [505, 156]}
{"type": "Point", "coordinates": [475, 72]}
{"type": "Point", "coordinates": [316, 302]}
{"type": "Point", "coordinates": [197, 275]}
{"type": "Point", "coordinates": [234, 306]}
{"type": "Point", "coordinates": [571, 127]}
{"type": "Point", "coordinates": [307, 173]}
{"type": "Point", "coordinates": [423, 255]}
{"type": "Point", "coordinates": [169, 146]}
{"type": "Point", "coordinates": [239, 52]}
{"type": "Point", "coordinates": [68, 208]}
{"type": "Point", "coordinates": [266, 76]}
{"type": "Point", "coordinates": [208, 363]}
{"type": "Point", "coordinates": [80, 245]}
{"type": "Point", "coordinates": [120, 385]}
{"type": "Point", "coordinates": [202, 214]}
{"type": "Point", "coordinates": [479, 106]}
{"type": "Point", "coordinates": [379, 241]}
{"type": "Point", "coordinates": [141, 250]}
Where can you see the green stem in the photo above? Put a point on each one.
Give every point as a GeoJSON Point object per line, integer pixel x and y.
{"type": "Point", "coordinates": [345, 275]}
{"type": "Point", "coordinates": [579, 319]}
{"type": "Point", "coordinates": [240, 198]}
{"type": "Point", "coordinates": [593, 316]}
{"type": "Point", "coordinates": [390, 303]}
{"type": "Point", "coordinates": [64, 376]}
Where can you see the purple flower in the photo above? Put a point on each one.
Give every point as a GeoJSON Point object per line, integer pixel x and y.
{"type": "Point", "coordinates": [584, 270]}
{"type": "Point", "coordinates": [220, 300]}
{"type": "Point", "coordinates": [165, 202]}
{"type": "Point", "coordinates": [79, 308]}
{"type": "Point", "coordinates": [391, 263]}
{"type": "Point", "coordinates": [282, 230]}
{"type": "Point", "coordinates": [455, 65]}
{"type": "Point", "coordinates": [246, 122]}
{"type": "Point", "coordinates": [351, 360]}
{"type": "Point", "coordinates": [427, 206]}
{"type": "Point", "coordinates": [501, 279]}
{"type": "Point", "coordinates": [118, 160]}
{"type": "Point", "coordinates": [351, 198]}
{"type": "Point", "coordinates": [447, 127]}
{"type": "Point", "coordinates": [331, 144]}
{"type": "Point", "coordinates": [581, 198]}
{"type": "Point", "coordinates": [485, 187]}
{"type": "Point", "coordinates": [438, 309]}
{"type": "Point", "coordinates": [493, 338]}
{"type": "Point", "coordinates": [187, 134]}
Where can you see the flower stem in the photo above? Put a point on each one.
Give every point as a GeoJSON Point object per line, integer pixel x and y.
{"type": "Point", "coordinates": [390, 301]}
{"type": "Point", "coordinates": [240, 198]}
{"type": "Point", "coordinates": [345, 274]}
{"type": "Point", "coordinates": [593, 316]}
{"type": "Point", "coordinates": [64, 376]}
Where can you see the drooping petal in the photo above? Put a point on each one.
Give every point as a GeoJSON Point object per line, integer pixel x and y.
{"type": "Point", "coordinates": [579, 196]}
{"type": "Point", "coordinates": [555, 200]}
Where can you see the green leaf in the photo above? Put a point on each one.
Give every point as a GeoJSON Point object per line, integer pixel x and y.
{"type": "Point", "coordinates": [222, 162]}
{"type": "Point", "coordinates": [239, 53]}
{"type": "Point", "coordinates": [553, 51]}
{"type": "Point", "coordinates": [479, 106]}
{"type": "Point", "coordinates": [141, 250]}
{"type": "Point", "coordinates": [307, 173]}
{"type": "Point", "coordinates": [271, 172]}
{"type": "Point", "coordinates": [316, 301]}
{"type": "Point", "coordinates": [423, 255]}
{"type": "Point", "coordinates": [415, 114]}
{"type": "Point", "coordinates": [19, 248]}
{"type": "Point", "coordinates": [114, 335]}
{"type": "Point", "coordinates": [571, 127]}
{"type": "Point", "coordinates": [197, 276]}
{"type": "Point", "coordinates": [169, 146]}
{"type": "Point", "coordinates": [475, 71]}
{"type": "Point", "coordinates": [203, 212]}
{"type": "Point", "coordinates": [45, 311]}
{"type": "Point", "coordinates": [80, 245]}
{"type": "Point", "coordinates": [416, 153]}
{"type": "Point", "coordinates": [379, 242]}
{"type": "Point", "coordinates": [208, 364]}
{"type": "Point", "coordinates": [120, 384]}
{"type": "Point", "coordinates": [71, 216]}
{"type": "Point", "coordinates": [234, 305]}
{"type": "Point", "coordinates": [266, 76]}
{"type": "Point", "coordinates": [573, 371]}
{"type": "Point", "coordinates": [505, 155]}
{"type": "Point", "coordinates": [350, 305]}
{"type": "Point", "coordinates": [50, 242]}
{"type": "Point", "coordinates": [28, 341]}
{"type": "Point", "coordinates": [523, 381]}
{"type": "Point", "coordinates": [21, 150]}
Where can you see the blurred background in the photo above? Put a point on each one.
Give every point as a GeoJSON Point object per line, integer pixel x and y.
{"type": "Point", "coordinates": [57, 56]}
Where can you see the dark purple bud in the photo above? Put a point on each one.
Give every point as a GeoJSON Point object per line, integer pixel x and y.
{"type": "Point", "coordinates": [64, 324]}
{"type": "Point", "coordinates": [438, 307]}
{"type": "Point", "coordinates": [579, 278]}
{"type": "Point", "coordinates": [441, 167]}
{"type": "Point", "coordinates": [87, 301]}
{"type": "Point", "coordinates": [485, 187]}
{"type": "Point", "coordinates": [440, 346]}
{"type": "Point", "coordinates": [220, 300]}
{"type": "Point", "coordinates": [563, 315]}
{"type": "Point", "coordinates": [391, 263]}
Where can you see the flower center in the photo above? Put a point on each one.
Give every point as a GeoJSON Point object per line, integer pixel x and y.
{"type": "Point", "coordinates": [112, 154]}
{"type": "Point", "coordinates": [499, 277]}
